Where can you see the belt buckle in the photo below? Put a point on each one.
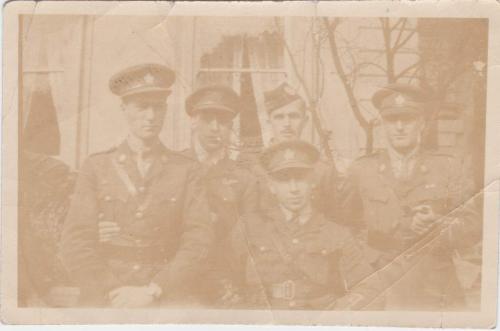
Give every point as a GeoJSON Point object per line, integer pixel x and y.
{"type": "Point", "coordinates": [288, 289]}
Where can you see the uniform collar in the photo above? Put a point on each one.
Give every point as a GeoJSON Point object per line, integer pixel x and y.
{"type": "Point", "coordinates": [301, 218]}
{"type": "Point", "coordinates": [389, 157]}
{"type": "Point", "coordinates": [137, 148]}
{"type": "Point", "coordinates": [396, 157]}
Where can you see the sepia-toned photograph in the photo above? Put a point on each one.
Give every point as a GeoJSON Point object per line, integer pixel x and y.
{"type": "Point", "coordinates": [289, 166]}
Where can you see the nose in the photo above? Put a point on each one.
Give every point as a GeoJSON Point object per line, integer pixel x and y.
{"type": "Point", "coordinates": [399, 125]}
{"type": "Point", "coordinates": [293, 185]}
{"type": "Point", "coordinates": [149, 113]}
{"type": "Point", "coordinates": [214, 125]}
{"type": "Point", "coordinates": [287, 121]}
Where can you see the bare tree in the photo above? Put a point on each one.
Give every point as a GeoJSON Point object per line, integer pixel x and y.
{"type": "Point", "coordinates": [391, 49]}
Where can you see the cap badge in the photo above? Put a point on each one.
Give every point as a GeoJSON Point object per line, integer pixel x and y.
{"type": "Point", "coordinates": [400, 100]}
{"type": "Point", "coordinates": [149, 79]}
{"type": "Point", "coordinates": [289, 155]}
{"type": "Point", "coordinates": [288, 90]}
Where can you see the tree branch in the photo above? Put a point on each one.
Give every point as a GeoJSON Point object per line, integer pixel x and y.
{"type": "Point", "coordinates": [316, 121]}
{"type": "Point", "coordinates": [407, 69]}
{"type": "Point", "coordinates": [343, 78]}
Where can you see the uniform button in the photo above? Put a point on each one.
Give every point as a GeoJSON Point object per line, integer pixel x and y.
{"type": "Point", "coordinates": [295, 240]}
{"type": "Point", "coordinates": [292, 304]}
{"type": "Point", "coordinates": [100, 216]}
{"type": "Point", "coordinates": [324, 252]}
{"type": "Point", "coordinates": [262, 248]}
{"type": "Point", "coordinates": [173, 199]}
{"type": "Point", "coordinates": [122, 158]}
{"type": "Point", "coordinates": [225, 199]}
{"type": "Point", "coordinates": [137, 267]}
{"type": "Point", "coordinates": [139, 214]}
{"type": "Point", "coordinates": [142, 189]}
{"type": "Point", "coordinates": [107, 198]}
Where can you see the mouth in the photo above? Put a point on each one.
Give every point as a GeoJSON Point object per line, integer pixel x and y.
{"type": "Point", "coordinates": [295, 201]}
{"type": "Point", "coordinates": [214, 139]}
{"type": "Point", "coordinates": [287, 133]}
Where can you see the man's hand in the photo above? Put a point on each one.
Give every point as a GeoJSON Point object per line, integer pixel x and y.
{"type": "Point", "coordinates": [424, 219]}
{"type": "Point", "coordinates": [108, 231]}
{"type": "Point", "coordinates": [131, 297]}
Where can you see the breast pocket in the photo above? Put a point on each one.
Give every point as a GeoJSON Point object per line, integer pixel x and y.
{"type": "Point", "coordinates": [381, 210]}
{"type": "Point", "coordinates": [113, 202]}
{"type": "Point", "coordinates": [165, 209]}
{"type": "Point", "coordinates": [434, 195]}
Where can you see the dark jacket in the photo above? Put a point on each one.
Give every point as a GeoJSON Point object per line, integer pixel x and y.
{"type": "Point", "coordinates": [317, 265]}
{"type": "Point", "coordinates": [166, 232]}
{"type": "Point", "coordinates": [421, 274]}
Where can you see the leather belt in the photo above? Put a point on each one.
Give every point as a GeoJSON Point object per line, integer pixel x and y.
{"type": "Point", "coordinates": [285, 290]}
{"type": "Point", "coordinates": [136, 254]}
{"type": "Point", "coordinates": [289, 290]}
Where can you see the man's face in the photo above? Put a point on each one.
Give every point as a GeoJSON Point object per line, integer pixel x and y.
{"type": "Point", "coordinates": [292, 187]}
{"type": "Point", "coordinates": [213, 128]}
{"type": "Point", "coordinates": [288, 121]}
{"type": "Point", "coordinates": [403, 131]}
{"type": "Point", "coordinates": [145, 115]}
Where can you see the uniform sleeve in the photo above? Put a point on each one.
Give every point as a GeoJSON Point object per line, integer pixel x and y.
{"type": "Point", "coordinates": [464, 229]}
{"type": "Point", "coordinates": [249, 280]}
{"type": "Point", "coordinates": [250, 195]}
{"type": "Point", "coordinates": [328, 193]}
{"type": "Point", "coordinates": [79, 241]}
{"type": "Point", "coordinates": [198, 237]}
{"type": "Point", "coordinates": [350, 203]}
{"type": "Point", "coordinates": [362, 283]}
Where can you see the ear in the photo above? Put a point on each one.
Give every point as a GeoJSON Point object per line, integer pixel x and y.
{"type": "Point", "coordinates": [270, 184]}
{"type": "Point", "coordinates": [306, 118]}
{"type": "Point", "coordinates": [194, 122]}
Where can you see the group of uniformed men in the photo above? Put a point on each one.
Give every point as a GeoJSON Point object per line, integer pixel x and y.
{"type": "Point", "coordinates": [152, 227]}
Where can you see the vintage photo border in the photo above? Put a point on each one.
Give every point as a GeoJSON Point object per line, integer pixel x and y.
{"type": "Point", "coordinates": [10, 313]}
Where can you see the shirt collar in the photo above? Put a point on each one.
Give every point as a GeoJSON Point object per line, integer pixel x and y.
{"type": "Point", "coordinates": [137, 148]}
{"type": "Point", "coordinates": [396, 157]}
{"type": "Point", "coordinates": [303, 216]}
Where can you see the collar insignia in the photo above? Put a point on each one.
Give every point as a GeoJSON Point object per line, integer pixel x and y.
{"type": "Point", "coordinates": [229, 181]}
{"type": "Point", "coordinates": [149, 79]}
{"type": "Point", "coordinates": [288, 90]}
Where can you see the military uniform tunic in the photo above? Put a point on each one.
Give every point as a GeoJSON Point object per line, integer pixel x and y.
{"type": "Point", "coordinates": [165, 232]}
{"type": "Point", "coordinates": [315, 265]}
{"type": "Point", "coordinates": [230, 193]}
{"type": "Point", "coordinates": [380, 205]}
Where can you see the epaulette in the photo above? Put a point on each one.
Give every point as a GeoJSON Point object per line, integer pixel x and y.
{"type": "Point", "coordinates": [368, 157]}
{"type": "Point", "coordinates": [106, 151]}
{"type": "Point", "coordinates": [181, 156]}
{"type": "Point", "coordinates": [441, 152]}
